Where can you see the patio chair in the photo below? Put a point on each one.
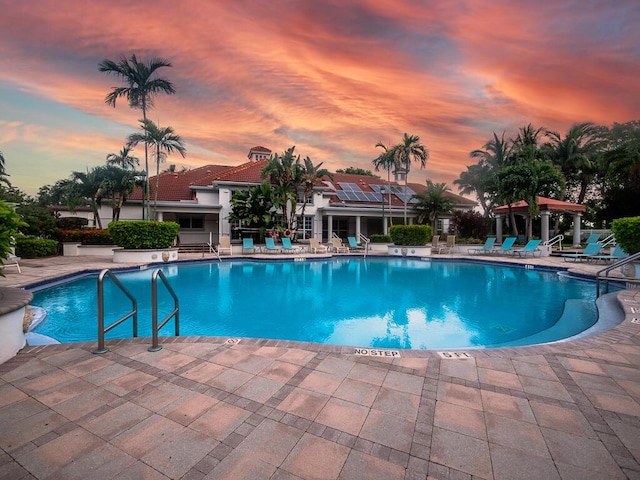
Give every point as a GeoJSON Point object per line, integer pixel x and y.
{"type": "Point", "coordinates": [224, 245]}
{"type": "Point", "coordinates": [531, 248]}
{"type": "Point", "coordinates": [338, 247]}
{"type": "Point", "coordinates": [353, 244]}
{"type": "Point", "coordinates": [591, 250]}
{"type": "Point", "coordinates": [288, 247]}
{"type": "Point", "coordinates": [435, 242]}
{"type": "Point", "coordinates": [615, 254]}
{"type": "Point", "coordinates": [486, 248]}
{"type": "Point", "coordinates": [247, 246]}
{"type": "Point", "coordinates": [316, 247]}
{"type": "Point", "coordinates": [270, 245]}
{"type": "Point", "coordinates": [506, 247]}
{"type": "Point", "coordinates": [449, 246]}
{"type": "Point", "coordinates": [11, 261]}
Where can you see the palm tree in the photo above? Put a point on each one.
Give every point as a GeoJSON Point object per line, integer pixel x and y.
{"type": "Point", "coordinates": [433, 203]}
{"type": "Point", "coordinates": [165, 141]}
{"type": "Point", "coordinates": [142, 86]}
{"type": "Point", "coordinates": [88, 187]}
{"type": "Point", "coordinates": [285, 174]}
{"type": "Point", "coordinates": [576, 154]}
{"type": "Point", "coordinates": [476, 178]}
{"type": "Point", "coordinates": [123, 159]}
{"type": "Point", "coordinates": [310, 175]}
{"type": "Point", "coordinates": [408, 151]}
{"type": "Point", "coordinates": [117, 185]}
{"type": "Point", "coordinates": [386, 160]}
{"type": "Point", "coordinates": [1, 164]}
{"type": "Point", "coordinates": [526, 181]}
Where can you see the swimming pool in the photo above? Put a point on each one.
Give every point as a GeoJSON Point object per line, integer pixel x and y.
{"type": "Point", "coordinates": [373, 302]}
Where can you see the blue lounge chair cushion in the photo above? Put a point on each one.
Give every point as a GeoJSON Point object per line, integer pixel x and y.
{"type": "Point", "coordinates": [589, 252]}
{"type": "Point", "coordinates": [486, 248]}
{"type": "Point", "coordinates": [531, 248]}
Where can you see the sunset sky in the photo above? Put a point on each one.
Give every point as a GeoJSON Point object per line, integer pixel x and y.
{"type": "Point", "coordinates": [330, 77]}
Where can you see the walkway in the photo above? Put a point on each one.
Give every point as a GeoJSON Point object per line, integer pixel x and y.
{"type": "Point", "coordinates": [216, 409]}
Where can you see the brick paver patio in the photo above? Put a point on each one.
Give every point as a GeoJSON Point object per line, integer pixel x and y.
{"type": "Point", "coordinates": [205, 408]}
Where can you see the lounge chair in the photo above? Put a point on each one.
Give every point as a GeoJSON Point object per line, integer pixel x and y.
{"type": "Point", "coordinates": [11, 261]}
{"type": "Point", "coordinates": [270, 245]}
{"type": "Point", "coordinates": [288, 247]}
{"type": "Point", "coordinates": [224, 245]}
{"type": "Point", "coordinates": [593, 238]}
{"type": "Point", "coordinates": [247, 245]}
{"type": "Point", "coordinates": [531, 248]}
{"type": "Point", "coordinates": [448, 247]}
{"type": "Point", "coordinates": [506, 247]}
{"type": "Point", "coordinates": [353, 244]}
{"type": "Point", "coordinates": [338, 247]}
{"type": "Point", "coordinates": [486, 248]}
{"type": "Point", "coordinates": [316, 247]}
{"type": "Point", "coordinates": [591, 250]}
{"type": "Point", "coordinates": [615, 254]}
{"type": "Point", "coordinates": [435, 242]}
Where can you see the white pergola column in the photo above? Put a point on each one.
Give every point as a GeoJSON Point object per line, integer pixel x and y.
{"type": "Point", "coordinates": [329, 227]}
{"type": "Point", "coordinates": [357, 227]}
{"type": "Point", "coordinates": [384, 226]}
{"type": "Point", "coordinates": [499, 228]}
{"type": "Point", "coordinates": [544, 228]}
{"type": "Point", "coordinates": [160, 216]}
{"type": "Point", "coordinates": [576, 229]}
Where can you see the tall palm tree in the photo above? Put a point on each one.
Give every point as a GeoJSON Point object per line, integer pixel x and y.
{"type": "Point", "coordinates": [310, 175]}
{"type": "Point", "coordinates": [141, 87]}
{"type": "Point", "coordinates": [386, 160]}
{"type": "Point", "coordinates": [164, 140]}
{"type": "Point", "coordinates": [1, 163]}
{"type": "Point", "coordinates": [285, 174]}
{"type": "Point", "coordinates": [432, 203]}
{"type": "Point", "coordinates": [576, 155]}
{"type": "Point", "coordinates": [494, 154]}
{"type": "Point", "coordinates": [123, 158]}
{"type": "Point", "coordinates": [408, 151]}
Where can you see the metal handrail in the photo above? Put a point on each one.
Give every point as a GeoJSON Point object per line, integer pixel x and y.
{"type": "Point", "coordinates": [366, 242]}
{"type": "Point", "coordinates": [610, 240]}
{"type": "Point", "coordinates": [101, 328]}
{"type": "Point", "coordinates": [557, 239]}
{"type": "Point", "coordinates": [155, 327]}
{"type": "Point", "coordinates": [620, 263]}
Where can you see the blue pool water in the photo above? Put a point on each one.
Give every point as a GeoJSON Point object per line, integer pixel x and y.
{"type": "Point", "coordinates": [377, 302]}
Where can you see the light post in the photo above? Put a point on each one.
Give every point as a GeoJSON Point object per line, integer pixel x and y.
{"type": "Point", "coordinates": [384, 224]}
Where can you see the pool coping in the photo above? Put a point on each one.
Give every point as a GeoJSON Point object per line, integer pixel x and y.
{"type": "Point", "coordinates": [624, 324]}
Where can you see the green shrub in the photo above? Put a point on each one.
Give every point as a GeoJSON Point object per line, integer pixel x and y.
{"type": "Point", "coordinates": [71, 223]}
{"type": "Point", "coordinates": [379, 238]}
{"type": "Point", "coordinates": [9, 225]}
{"type": "Point", "coordinates": [414, 235]}
{"type": "Point", "coordinates": [34, 247]}
{"type": "Point", "coordinates": [627, 232]}
{"type": "Point", "coordinates": [89, 236]}
{"type": "Point", "coordinates": [143, 234]}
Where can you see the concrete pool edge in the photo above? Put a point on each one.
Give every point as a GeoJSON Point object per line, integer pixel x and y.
{"type": "Point", "coordinates": [625, 329]}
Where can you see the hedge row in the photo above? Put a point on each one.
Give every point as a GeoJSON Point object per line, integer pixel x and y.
{"type": "Point", "coordinates": [34, 247]}
{"type": "Point", "coordinates": [89, 236]}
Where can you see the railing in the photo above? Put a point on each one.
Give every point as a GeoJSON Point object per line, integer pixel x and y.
{"type": "Point", "coordinates": [610, 240]}
{"type": "Point", "coordinates": [603, 274]}
{"type": "Point", "coordinates": [155, 327]}
{"type": "Point", "coordinates": [557, 239]}
{"type": "Point", "coordinates": [101, 328]}
{"type": "Point", "coordinates": [366, 242]}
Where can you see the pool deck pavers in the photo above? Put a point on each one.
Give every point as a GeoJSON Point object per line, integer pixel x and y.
{"type": "Point", "coordinates": [206, 408]}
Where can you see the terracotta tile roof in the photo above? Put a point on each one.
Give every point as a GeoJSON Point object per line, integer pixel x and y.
{"type": "Point", "coordinates": [174, 186]}
{"type": "Point", "coordinates": [544, 204]}
{"type": "Point", "coordinates": [457, 199]}
{"type": "Point", "coordinates": [250, 172]}
{"type": "Point", "coordinates": [260, 149]}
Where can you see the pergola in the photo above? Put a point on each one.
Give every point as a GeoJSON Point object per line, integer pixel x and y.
{"type": "Point", "coordinates": [547, 205]}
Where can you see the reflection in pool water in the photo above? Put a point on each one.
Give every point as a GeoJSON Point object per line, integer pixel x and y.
{"type": "Point", "coordinates": [375, 302]}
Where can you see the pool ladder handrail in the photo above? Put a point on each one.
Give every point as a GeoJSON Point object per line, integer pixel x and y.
{"type": "Point", "coordinates": [155, 327]}
{"type": "Point", "coordinates": [603, 274]}
{"type": "Point", "coordinates": [557, 239]}
{"type": "Point", "coordinates": [133, 313]}
{"type": "Point", "coordinates": [366, 241]}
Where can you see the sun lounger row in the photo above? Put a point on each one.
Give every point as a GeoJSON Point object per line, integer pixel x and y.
{"type": "Point", "coordinates": [286, 246]}
{"type": "Point", "coordinates": [506, 248]}
{"type": "Point", "coordinates": [592, 252]}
